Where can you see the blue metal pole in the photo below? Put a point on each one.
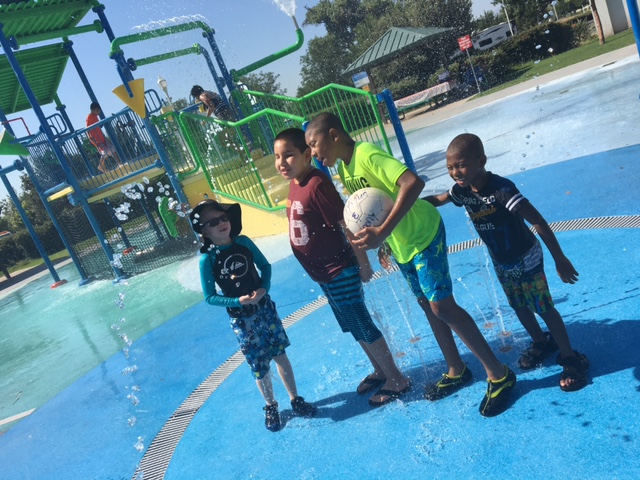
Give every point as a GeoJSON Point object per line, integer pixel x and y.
{"type": "Point", "coordinates": [68, 46]}
{"type": "Point", "coordinates": [634, 14]}
{"type": "Point", "coordinates": [27, 223]}
{"type": "Point", "coordinates": [126, 76]}
{"type": "Point", "coordinates": [6, 45]}
{"type": "Point", "coordinates": [84, 278]}
{"type": "Point", "coordinates": [223, 67]}
{"type": "Point", "coordinates": [25, 164]}
{"type": "Point", "coordinates": [117, 223]}
{"type": "Point", "coordinates": [99, 10]}
{"type": "Point", "coordinates": [216, 78]}
{"type": "Point", "coordinates": [63, 113]}
{"type": "Point", "coordinates": [387, 98]}
{"type": "Point", "coordinates": [152, 222]}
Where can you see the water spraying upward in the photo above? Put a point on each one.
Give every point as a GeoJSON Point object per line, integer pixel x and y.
{"type": "Point", "coordinates": [287, 6]}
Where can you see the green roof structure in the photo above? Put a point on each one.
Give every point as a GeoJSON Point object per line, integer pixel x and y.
{"type": "Point", "coordinates": [43, 67]}
{"type": "Point", "coordinates": [393, 43]}
{"type": "Point", "coordinates": [34, 21]}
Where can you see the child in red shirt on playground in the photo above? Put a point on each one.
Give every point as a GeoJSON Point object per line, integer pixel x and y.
{"type": "Point", "coordinates": [317, 237]}
{"type": "Point", "coordinates": [416, 236]}
{"type": "Point", "coordinates": [229, 260]}
{"type": "Point", "coordinates": [98, 140]}
{"type": "Point", "coordinates": [498, 211]}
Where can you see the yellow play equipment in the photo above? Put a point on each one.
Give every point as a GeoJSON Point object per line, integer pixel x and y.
{"type": "Point", "coordinates": [135, 103]}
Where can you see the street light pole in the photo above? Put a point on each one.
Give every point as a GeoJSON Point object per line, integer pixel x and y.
{"type": "Point", "coordinates": [506, 14]}
{"type": "Point", "coordinates": [163, 85]}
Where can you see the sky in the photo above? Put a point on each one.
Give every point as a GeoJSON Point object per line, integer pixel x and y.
{"type": "Point", "coordinates": [245, 31]}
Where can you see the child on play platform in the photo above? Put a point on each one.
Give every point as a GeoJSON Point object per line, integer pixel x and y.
{"type": "Point", "coordinates": [96, 137]}
{"type": "Point", "coordinates": [229, 261]}
{"type": "Point", "coordinates": [498, 211]}
{"type": "Point", "coordinates": [317, 237]}
{"type": "Point", "coordinates": [416, 236]}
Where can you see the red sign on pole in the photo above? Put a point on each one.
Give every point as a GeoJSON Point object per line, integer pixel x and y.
{"type": "Point", "coordinates": [465, 42]}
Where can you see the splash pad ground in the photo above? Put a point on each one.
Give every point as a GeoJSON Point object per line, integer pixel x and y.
{"type": "Point", "coordinates": [578, 172]}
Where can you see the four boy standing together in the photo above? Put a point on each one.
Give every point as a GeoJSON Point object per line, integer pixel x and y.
{"type": "Point", "coordinates": [415, 236]}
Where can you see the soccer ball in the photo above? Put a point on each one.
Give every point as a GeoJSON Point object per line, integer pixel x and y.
{"type": "Point", "coordinates": [368, 207]}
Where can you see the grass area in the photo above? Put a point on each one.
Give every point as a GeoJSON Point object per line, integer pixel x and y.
{"type": "Point", "coordinates": [590, 49]}
{"type": "Point", "coordinates": [31, 263]}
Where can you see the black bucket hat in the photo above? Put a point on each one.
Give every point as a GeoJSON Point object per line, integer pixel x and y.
{"type": "Point", "coordinates": [232, 210]}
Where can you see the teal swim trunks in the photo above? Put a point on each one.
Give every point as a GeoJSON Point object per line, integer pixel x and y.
{"type": "Point", "coordinates": [428, 272]}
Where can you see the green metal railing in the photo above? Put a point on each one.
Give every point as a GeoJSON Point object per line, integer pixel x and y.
{"type": "Point", "coordinates": [358, 110]}
{"type": "Point", "coordinates": [237, 159]}
{"type": "Point", "coordinates": [236, 156]}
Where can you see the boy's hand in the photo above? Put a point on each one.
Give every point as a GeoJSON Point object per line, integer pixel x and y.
{"type": "Point", "coordinates": [566, 270]}
{"type": "Point", "coordinates": [253, 298]}
{"type": "Point", "coordinates": [245, 300]}
{"type": "Point", "coordinates": [369, 238]}
{"type": "Point", "coordinates": [258, 294]}
{"type": "Point", "coordinates": [384, 256]}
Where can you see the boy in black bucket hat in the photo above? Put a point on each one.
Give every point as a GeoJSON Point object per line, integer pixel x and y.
{"type": "Point", "coordinates": [229, 261]}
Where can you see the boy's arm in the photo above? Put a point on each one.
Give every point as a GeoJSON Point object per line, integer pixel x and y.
{"type": "Point", "coordinates": [366, 272]}
{"type": "Point", "coordinates": [410, 188]}
{"type": "Point", "coordinates": [208, 282]}
{"type": "Point", "coordinates": [565, 269]}
{"type": "Point", "coordinates": [438, 200]}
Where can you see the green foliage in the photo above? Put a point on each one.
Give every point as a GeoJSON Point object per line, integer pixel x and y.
{"type": "Point", "coordinates": [552, 39]}
{"type": "Point", "coordinates": [20, 246]}
{"type": "Point", "coordinates": [488, 19]}
{"type": "Point", "coordinates": [323, 63]}
{"type": "Point", "coordinates": [581, 32]}
{"type": "Point", "coordinates": [266, 82]}
{"type": "Point", "coordinates": [526, 13]}
{"type": "Point", "coordinates": [180, 103]}
{"type": "Point", "coordinates": [354, 25]}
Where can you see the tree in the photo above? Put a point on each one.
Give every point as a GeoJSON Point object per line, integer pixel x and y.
{"type": "Point", "coordinates": [488, 19]}
{"type": "Point", "coordinates": [180, 104]}
{"type": "Point", "coordinates": [323, 63]}
{"type": "Point", "coordinates": [354, 25]}
{"type": "Point", "coordinates": [525, 13]}
{"type": "Point", "coordinates": [327, 57]}
{"type": "Point", "coordinates": [266, 82]}
{"type": "Point", "coordinates": [596, 20]}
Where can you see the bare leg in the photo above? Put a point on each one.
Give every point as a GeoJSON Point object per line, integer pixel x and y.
{"type": "Point", "coordinates": [530, 323]}
{"type": "Point", "coordinates": [382, 359]}
{"type": "Point", "coordinates": [461, 322]}
{"type": "Point", "coordinates": [378, 373]}
{"type": "Point", "coordinates": [103, 158]}
{"type": "Point", "coordinates": [559, 332]}
{"type": "Point", "coordinates": [116, 157]}
{"type": "Point", "coordinates": [444, 338]}
{"type": "Point", "coordinates": [266, 388]}
{"type": "Point", "coordinates": [286, 374]}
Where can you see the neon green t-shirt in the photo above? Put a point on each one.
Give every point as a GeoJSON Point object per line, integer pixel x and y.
{"type": "Point", "coordinates": [371, 166]}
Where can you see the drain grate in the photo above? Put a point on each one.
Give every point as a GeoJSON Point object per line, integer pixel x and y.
{"type": "Point", "coordinates": [156, 459]}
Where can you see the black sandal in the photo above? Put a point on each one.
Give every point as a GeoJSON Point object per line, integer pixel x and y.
{"type": "Point", "coordinates": [574, 368]}
{"type": "Point", "coordinates": [537, 353]}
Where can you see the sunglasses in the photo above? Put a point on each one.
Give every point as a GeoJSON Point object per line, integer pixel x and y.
{"type": "Point", "coordinates": [214, 222]}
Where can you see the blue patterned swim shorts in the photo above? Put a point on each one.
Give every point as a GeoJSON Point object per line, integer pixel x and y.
{"type": "Point", "coordinates": [261, 336]}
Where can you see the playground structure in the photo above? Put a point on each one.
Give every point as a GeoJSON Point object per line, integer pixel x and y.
{"type": "Point", "coordinates": [118, 222]}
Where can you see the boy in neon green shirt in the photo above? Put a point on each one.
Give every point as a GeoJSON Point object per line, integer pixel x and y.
{"type": "Point", "coordinates": [415, 233]}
